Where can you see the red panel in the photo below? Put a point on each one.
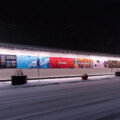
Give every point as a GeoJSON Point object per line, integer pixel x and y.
{"type": "Point", "coordinates": [59, 62]}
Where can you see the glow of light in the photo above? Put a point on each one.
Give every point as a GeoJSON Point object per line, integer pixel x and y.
{"type": "Point", "coordinates": [54, 54]}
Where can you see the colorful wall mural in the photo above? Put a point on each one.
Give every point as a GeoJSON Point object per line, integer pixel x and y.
{"type": "Point", "coordinates": [43, 62]}
{"type": "Point", "coordinates": [59, 62]}
{"type": "Point", "coordinates": [8, 61]}
{"type": "Point", "coordinates": [100, 64]}
{"type": "Point", "coordinates": [30, 62]}
{"type": "Point", "coordinates": [113, 64]}
{"type": "Point", "coordinates": [27, 61]}
{"type": "Point", "coordinates": [83, 63]}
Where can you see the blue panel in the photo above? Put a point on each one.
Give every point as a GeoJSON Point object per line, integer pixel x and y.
{"type": "Point", "coordinates": [27, 61]}
{"type": "Point", "coordinates": [44, 62]}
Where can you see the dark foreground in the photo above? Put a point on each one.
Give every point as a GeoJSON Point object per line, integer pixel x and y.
{"type": "Point", "coordinates": [89, 100]}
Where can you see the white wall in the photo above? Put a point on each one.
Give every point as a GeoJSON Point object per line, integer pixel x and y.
{"type": "Point", "coordinates": [5, 74]}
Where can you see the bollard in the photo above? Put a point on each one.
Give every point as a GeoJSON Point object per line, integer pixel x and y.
{"type": "Point", "coordinates": [85, 76]}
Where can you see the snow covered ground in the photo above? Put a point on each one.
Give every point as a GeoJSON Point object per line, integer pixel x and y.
{"type": "Point", "coordinates": [44, 82]}
{"type": "Point", "coordinates": [98, 98]}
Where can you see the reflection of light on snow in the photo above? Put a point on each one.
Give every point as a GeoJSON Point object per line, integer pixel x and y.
{"type": "Point", "coordinates": [99, 58]}
{"type": "Point", "coordinates": [41, 54]}
{"type": "Point", "coordinates": [17, 52]}
{"type": "Point", "coordinates": [103, 58]}
{"type": "Point", "coordinates": [55, 54]}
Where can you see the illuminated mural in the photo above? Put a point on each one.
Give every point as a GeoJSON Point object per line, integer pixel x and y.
{"type": "Point", "coordinates": [44, 62]}
{"type": "Point", "coordinates": [27, 61]}
{"type": "Point", "coordinates": [83, 63]}
{"type": "Point", "coordinates": [113, 64]}
{"type": "Point", "coordinates": [100, 64]}
{"type": "Point", "coordinates": [8, 61]}
{"type": "Point", "coordinates": [59, 62]}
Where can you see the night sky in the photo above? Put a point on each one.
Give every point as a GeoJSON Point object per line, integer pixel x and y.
{"type": "Point", "coordinates": [92, 26]}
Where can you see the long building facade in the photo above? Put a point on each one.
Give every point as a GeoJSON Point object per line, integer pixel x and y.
{"type": "Point", "coordinates": [46, 62]}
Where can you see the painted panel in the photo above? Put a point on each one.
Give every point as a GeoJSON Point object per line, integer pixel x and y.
{"type": "Point", "coordinates": [44, 62]}
{"type": "Point", "coordinates": [59, 62]}
{"type": "Point", "coordinates": [8, 61]}
{"type": "Point", "coordinates": [27, 61]}
{"type": "Point", "coordinates": [83, 63]}
{"type": "Point", "coordinates": [100, 64]}
{"type": "Point", "coordinates": [113, 64]}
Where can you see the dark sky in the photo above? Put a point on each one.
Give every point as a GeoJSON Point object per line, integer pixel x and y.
{"type": "Point", "coordinates": [72, 24]}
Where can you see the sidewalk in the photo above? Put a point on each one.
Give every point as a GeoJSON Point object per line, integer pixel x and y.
{"type": "Point", "coordinates": [46, 82]}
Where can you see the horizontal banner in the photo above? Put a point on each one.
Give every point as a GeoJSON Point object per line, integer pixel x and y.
{"type": "Point", "coordinates": [59, 62]}
{"type": "Point", "coordinates": [32, 62]}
